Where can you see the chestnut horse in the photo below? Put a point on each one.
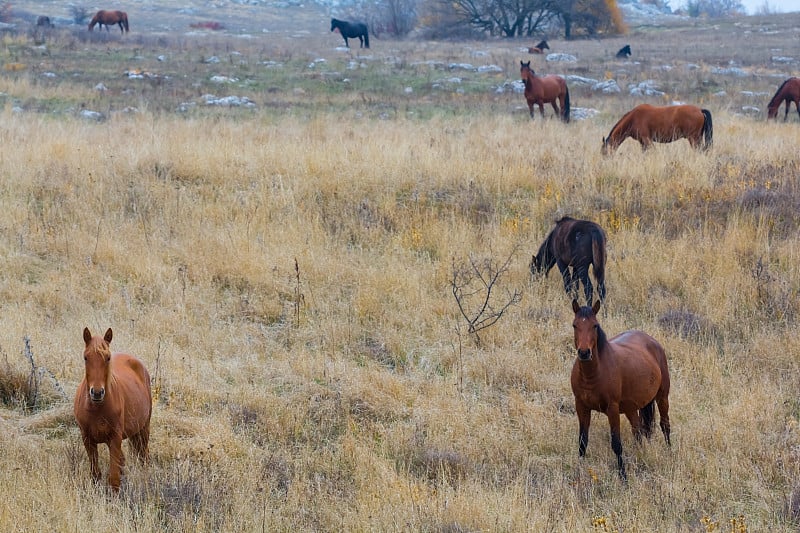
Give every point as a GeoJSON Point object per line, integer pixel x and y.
{"type": "Point", "coordinates": [663, 124]}
{"type": "Point", "coordinates": [539, 48]}
{"type": "Point", "coordinates": [574, 244]}
{"type": "Point", "coordinates": [543, 90]}
{"type": "Point", "coordinates": [624, 374]}
{"type": "Point", "coordinates": [788, 92]}
{"type": "Point", "coordinates": [112, 403]}
{"type": "Point", "coordinates": [109, 18]}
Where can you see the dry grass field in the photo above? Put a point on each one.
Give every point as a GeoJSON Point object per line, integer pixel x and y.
{"type": "Point", "coordinates": [284, 270]}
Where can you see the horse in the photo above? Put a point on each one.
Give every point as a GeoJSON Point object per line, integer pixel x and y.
{"type": "Point", "coordinates": [539, 48]}
{"type": "Point", "coordinates": [574, 244]}
{"type": "Point", "coordinates": [112, 403]}
{"type": "Point", "coordinates": [44, 22]}
{"type": "Point", "coordinates": [542, 90]}
{"type": "Point", "coordinates": [109, 18]}
{"type": "Point", "coordinates": [663, 124]}
{"type": "Point", "coordinates": [625, 374]}
{"type": "Point", "coordinates": [624, 52]}
{"type": "Point", "coordinates": [351, 30]}
{"type": "Point", "coordinates": [788, 92]}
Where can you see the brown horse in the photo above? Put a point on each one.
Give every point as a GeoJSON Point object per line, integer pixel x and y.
{"type": "Point", "coordinates": [109, 18]}
{"type": "Point", "coordinates": [574, 244]}
{"type": "Point", "coordinates": [663, 124]}
{"type": "Point", "coordinates": [112, 403]}
{"type": "Point", "coordinates": [543, 90]}
{"type": "Point", "coordinates": [539, 48]}
{"type": "Point", "coordinates": [788, 92]}
{"type": "Point", "coordinates": [625, 374]}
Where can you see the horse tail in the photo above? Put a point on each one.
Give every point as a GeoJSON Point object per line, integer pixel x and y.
{"type": "Point", "coordinates": [599, 258]}
{"type": "Point", "coordinates": [565, 111]}
{"type": "Point", "coordinates": [125, 21]}
{"type": "Point", "coordinates": [648, 415]}
{"type": "Point", "coordinates": [708, 129]}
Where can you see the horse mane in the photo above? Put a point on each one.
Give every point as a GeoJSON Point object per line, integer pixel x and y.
{"type": "Point", "coordinates": [775, 101]}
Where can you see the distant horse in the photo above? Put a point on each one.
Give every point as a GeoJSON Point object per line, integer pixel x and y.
{"type": "Point", "coordinates": [662, 124]}
{"type": "Point", "coordinates": [543, 90]}
{"type": "Point", "coordinates": [351, 30]}
{"type": "Point", "coordinates": [788, 92]}
{"type": "Point", "coordinates": [539, 48]}
{"type": "Point", "coordinates": [624, 374]}
{"type": "Point", "coordinates": [109, 18]}
{"type": "Point", "coordinates": [44, 22]}
{"type": "Point", "coordinates": [624, 52]}
{"type": "Point", "coordinates": [112, 403]}
{"type": "Point", "coordinates": [574, 244]}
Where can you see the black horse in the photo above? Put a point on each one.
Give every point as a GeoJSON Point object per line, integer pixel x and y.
{"type": "Point", "coordinates": [577, 244]}
{"type": "Point", "coordinates": [351, 30]}
{"type": "Point", "coordinates": [44, 22]}
{"type": "Point", "coordinates": [624, 52]}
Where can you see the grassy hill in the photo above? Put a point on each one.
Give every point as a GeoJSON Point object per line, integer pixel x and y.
{"type": "Point", "coordinates": [284, 270]}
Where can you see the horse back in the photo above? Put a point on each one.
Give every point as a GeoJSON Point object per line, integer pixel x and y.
{"type": "Point", "coordinates": [133, 381]}
{"type": "Point", "coordinates": [642, 364]}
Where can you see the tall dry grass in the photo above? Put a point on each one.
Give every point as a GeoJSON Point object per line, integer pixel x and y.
{"type": "Point", "coordinates": [285, 278]}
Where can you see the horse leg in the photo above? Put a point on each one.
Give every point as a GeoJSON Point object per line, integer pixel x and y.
{"type": "Point", "coordinates": [91, 451]}
{"type": "Point", "coordinates": [663, 413]}
{"type": "Point", "coordinates": [116, 462]}
{"type": "Point", "coordinates": [345, 42]}
{"type": "Point", "coordinates": [555, 108]}
{"type": "Point", "coordinates": [569, 280]}
{"type": "Point", "coordinates": [584, 419]}
{"type": "Point", "coordinates": [797, 106]}
{"type": "Point", "coordinates": [530, 109]}
{"type": "Point", "coordinates": [646, 416]}
{"type": "Point", "coordinates": [583, 275]}
{"type": "Point", "coordinates": [140, 444]}
{"type": "Point", "coordinates": [616, 442]}
{"type": "Point", "coordinates": [637, 424]}
{"type": "Point", "coordinates": [541, 108]}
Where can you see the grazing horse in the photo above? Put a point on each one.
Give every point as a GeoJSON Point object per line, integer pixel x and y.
{"type": "Point", "coordinates": [351, 30]}
{"type": "Point", "coordinates": [788, 92]}
{"type": "Point", "coordinates": [624, 374]}
{"type": "Point", "coordinates": [574, 244]}
{"type": "Point", "coordinates": [539, 48]}
{"type": "Point", "coordinates": [44, 22]}
{"type": "Point", "coordinates": [109, 18]}
{"type": "Point", "coordinates": [624, 52]}
{"type": "Point", "coordinates": [543, 90]}
{"type": "Point", "coordinates": [112, 403]}
{"type": "Point", "coordinates": [663, 124]}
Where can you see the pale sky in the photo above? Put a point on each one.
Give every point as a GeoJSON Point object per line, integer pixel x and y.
{"type": "Point", "coordinates": [778, 6]}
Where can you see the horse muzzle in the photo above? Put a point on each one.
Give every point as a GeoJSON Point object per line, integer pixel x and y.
{"type": "Point", "coordinates": [97, 395]}
{"type": "Point", "coordinates": [584, 355]}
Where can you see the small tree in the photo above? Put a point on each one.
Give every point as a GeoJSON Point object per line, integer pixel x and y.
{"type": "Point", "coordinates": [475, 285]}
{"type": "Point", "coordinates": [79, 14]}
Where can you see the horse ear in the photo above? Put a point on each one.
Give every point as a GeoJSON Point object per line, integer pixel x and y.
{"type": "Point", "coordinates": [575, 306]}
{"type": "Point", "coordinates": [109, 334]}
{"type": "Point", "coordinates": [87, 335]}
{"type": "Point", "coordinates": [596, 307]}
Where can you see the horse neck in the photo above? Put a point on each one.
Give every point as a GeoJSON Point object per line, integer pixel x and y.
{"type": "Point", "coordinates": [619, 132]}
{"type": "Point", "coordinates": [546, 257]}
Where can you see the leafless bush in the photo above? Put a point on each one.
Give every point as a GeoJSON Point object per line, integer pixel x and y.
{"type": "Point", "coordinates": [474, 286]}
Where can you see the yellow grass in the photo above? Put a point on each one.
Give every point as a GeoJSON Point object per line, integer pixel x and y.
{"type": "Point", "coordinates": [345, 395]}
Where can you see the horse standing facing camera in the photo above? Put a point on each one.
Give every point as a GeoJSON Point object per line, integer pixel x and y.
{"type": "Point", "coordinates": [626, 374]}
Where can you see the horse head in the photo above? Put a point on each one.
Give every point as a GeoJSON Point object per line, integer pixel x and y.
{"type": "Point", "coordinates": [97, 358]}
{"type": "Point", "coordinates": [587, 329]}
